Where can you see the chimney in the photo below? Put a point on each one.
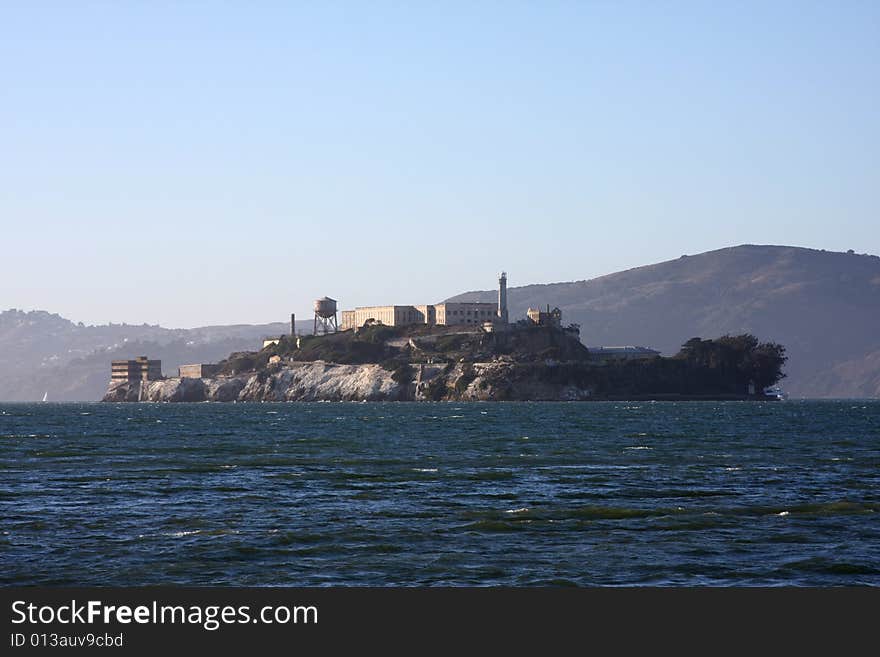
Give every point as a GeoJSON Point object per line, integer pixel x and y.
{"type": "Point", "coordinates": [293, 324]}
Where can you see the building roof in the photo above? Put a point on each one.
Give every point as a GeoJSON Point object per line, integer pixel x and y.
{"type": "Point", "coordinates": [627, 349]}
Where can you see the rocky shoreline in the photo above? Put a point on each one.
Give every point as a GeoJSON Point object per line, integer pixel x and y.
{"type": "Point", "coordinates": [325, 381]}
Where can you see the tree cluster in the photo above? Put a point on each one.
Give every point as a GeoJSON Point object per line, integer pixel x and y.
{"type": "Point", "coordinates": [741, 358]}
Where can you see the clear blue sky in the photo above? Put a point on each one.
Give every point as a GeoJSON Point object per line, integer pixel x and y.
{"type": "Point", "coordinates": [189, 163]}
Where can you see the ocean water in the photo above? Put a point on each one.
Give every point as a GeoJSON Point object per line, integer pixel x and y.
{"type": "Point", "coordinates": [738, 493]}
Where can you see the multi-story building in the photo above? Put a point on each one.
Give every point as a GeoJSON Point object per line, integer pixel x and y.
{"type": "Point", "coordinates": [449, 314]}
{"type": "Point", "coordinates": [139, 369]}
{"type": "Point", "coordinates": [442, 314]}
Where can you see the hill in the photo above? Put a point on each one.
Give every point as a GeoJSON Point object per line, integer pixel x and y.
{"type": "Point", "coordinates": [823, 306]}
{"type": "Point", "coordinates": [42, 352]}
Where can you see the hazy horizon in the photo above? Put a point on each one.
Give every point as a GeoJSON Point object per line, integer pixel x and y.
{"type": "Point", "coordinates": [208, 165]}
{"type": "Point", "coordinates": [306, 316]}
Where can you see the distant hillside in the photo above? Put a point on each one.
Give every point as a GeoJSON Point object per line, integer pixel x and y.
{"type": "Point", "coordinates": [42, 352]}
{"type": "Point", "coordinates": [823, 306]}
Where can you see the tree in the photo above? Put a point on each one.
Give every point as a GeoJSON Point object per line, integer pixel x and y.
{"type": "Point", "coordinates": [737, 359]}
{"type": "Point", "coordinates": [767, 360]}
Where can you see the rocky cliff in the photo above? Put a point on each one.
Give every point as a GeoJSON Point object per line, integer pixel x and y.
{"type": "Point", "coordinates": [417, 363]}
{"type": "Point", "coordinates": [323, 381]}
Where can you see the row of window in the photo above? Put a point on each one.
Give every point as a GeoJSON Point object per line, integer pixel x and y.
{"type": "Point", "coordinates": [475, 313]}
{"type": "Point", "coordinates": [415, 316]}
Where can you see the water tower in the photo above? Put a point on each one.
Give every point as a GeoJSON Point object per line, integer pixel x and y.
{"type": "Point", "coordinates": [325, 315]}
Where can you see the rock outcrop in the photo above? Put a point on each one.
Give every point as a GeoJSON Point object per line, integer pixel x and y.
{"type": "Point", "coordinates": [323, 381]}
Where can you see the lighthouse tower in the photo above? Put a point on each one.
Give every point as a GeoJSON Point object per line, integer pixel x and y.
{"type": "Point", "coordinates": [502, 298]}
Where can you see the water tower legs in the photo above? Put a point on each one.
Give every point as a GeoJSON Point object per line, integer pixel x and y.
{"type": "Point", "coordinates": [325, 324]}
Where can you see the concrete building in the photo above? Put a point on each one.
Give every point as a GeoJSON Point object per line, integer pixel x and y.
{"type": "Point", "coordinates": [549, 318]}
{"type": "Point", "coordinates": [197, 371]}
{"type": "Point", "coordinates": [139, 369]}
{"type": "Point", "coordinates": [452, 314]}
{"type": "Point", "coordinates": [628, 352]}
{"type": "Point", "coordinates": [441, 314]}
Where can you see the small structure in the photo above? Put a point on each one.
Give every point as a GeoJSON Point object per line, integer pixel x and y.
{"type": "Point", "coordinates": [274, 359]}
{"type": "Point", "coordinates": [549, 318]}
{"type": "Point", "coordinates": [325, 316]}
{"type": "Point", "coordinates": [628, 352]}
{"type": "Point", "coordinates": [198, 371]}
{"type": "Point", "coordinates": [139, 369]}
{"type": "Point", "coordinates": [269, 341]}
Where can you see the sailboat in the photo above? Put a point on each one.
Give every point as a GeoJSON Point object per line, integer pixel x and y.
{"type": "Point", "coordinates": [46, 396]}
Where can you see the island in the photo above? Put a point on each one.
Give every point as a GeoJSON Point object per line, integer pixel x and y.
{"type": "Point", "coordinates": [520, 361]}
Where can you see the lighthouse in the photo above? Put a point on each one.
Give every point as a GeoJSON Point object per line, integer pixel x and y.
{"type": "Point", "coordinates": [502, 298]}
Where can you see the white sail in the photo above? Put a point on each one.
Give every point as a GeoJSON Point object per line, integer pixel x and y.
{"type": "Point", "coordinates": [46, 396]}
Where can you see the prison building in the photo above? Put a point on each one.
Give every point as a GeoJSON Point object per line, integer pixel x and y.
{"type": "Point", "coordinates": [442, 314]}
{"type": "Point", "coordinates": [198, 371]}
{"type": "Point", "coordinates": [139, 369]}
{"type": "Point", "coordinates": [451, 314]}
{"type": "Point", "coordinates": [387, 315]}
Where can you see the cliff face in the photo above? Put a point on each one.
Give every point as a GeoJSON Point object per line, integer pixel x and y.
{"type": "Point", "coordinates": [323, 381]}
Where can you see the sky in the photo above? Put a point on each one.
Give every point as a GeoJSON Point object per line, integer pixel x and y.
{"type": "Point", "coordinates": [203, 163]}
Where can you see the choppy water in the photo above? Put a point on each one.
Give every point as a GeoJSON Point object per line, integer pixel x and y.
{"type": "Point", "coordinates": [441, 494]}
